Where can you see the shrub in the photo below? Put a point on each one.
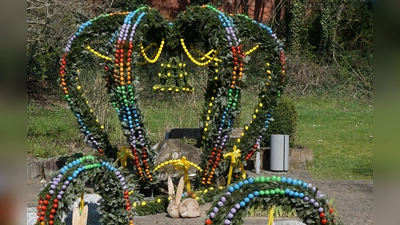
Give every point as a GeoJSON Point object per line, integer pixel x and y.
{"type": "Point", "coordinates": [285, 121]}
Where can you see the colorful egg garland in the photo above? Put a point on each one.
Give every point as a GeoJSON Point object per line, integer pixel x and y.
{"type": "Point", "coordinates": [51, 198]}
{"type": "Point", "coordinates": [229, 207]}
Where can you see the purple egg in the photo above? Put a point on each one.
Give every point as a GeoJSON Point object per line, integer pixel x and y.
{"type": "Point", "coordinates": [314, 188]}
{"type": "Point", "coordinates": [59, 176]}
{"type": "Point", "coordinates": [55, 183]}
{"type": "Point", "coordinates": [51, 192]}
{"type": "Point", "coordinates": [312, 201]}
{"type": "Point", "coordinates": [228, 193]}
{"type": "Point", "coordinates": [220, 204]}
{"type": "Point", "coordinates": [237, 206]}
{"type": "Point", "coordinates": [306, 199]}
{"type": "Point", "coordinates": [309, 185]}
{"type": "Point", "coordinates": [316, 204]}
{"type": "Point", "coordinates": [321, 195]}
{"type": "Point", "coordinates": [63, 187]}
{"type": "Point", "coordinates": [124, 187]}
{"type": "Point", "coordinates": [66, 182]}
{"type": "Point", "coordinates": [233, 211]}
{"type": "Point", "coordinates": [223, 199]}
{"type": "Point", "coordinates": [212, 215]}
{"type": "Point", "coordinates": [227, 222]}
{"type": "Point", "coordinates": [52, 186]}
{"type": "Point", "coordinates": [59, 196]}
{"type": "Point", "coordinates": [320, 209]}
{"type": "Point", "coordinates": [122, 179]}
{"type": "Point", "coordinates": [117, 173]}
{"type": "Point", "coordinates": [215, 210]}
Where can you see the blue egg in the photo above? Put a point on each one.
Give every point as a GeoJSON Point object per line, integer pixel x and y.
{"type": "Point", "coordinates": [256, 193]}
{"type": "Point", "coordinates": [250, 196]}
{"type": "Point", "coordinates": [287, 191]}
{"type": "Point", "coordinates": [242, 204]}
{"type": "Point", "coordinates": [70, 178]}
{"type": "Point", "coordinates": [251, 180]}
{"type": "Point", "coordinates": [70, 165]}
{"type": "Point", "coordinates": [289, 180]}
{"type": "Point", "coordinates": [305, 185]}
{"type": "Point", "coordinates": [62, 170]}
{"type": "Point", "coordinates": [231, 189]}
{"type": "Point", "coordinates": [245, 182]}
{"type": "Point", "coordinates": [301, 195]}
{"type": "Point", "coordinates": [294, 182]}
{"type": "Point", "coordinates": [237, 187]}
{"type": "Point", "coordinates": [240, 183]}
{"type": "Point", "coordinates": [283, 179]}
{"type": "Point", "coordinates": [291, 193]}
{"type": "Point", "coordinates": [296, 194]}
{"type": "Point", "coordinates": [299, 182]}
{"type": "Point", "coordinates": [246, 200]}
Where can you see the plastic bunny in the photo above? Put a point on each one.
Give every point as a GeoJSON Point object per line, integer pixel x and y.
{"type": "Point", "coordinates": [188, 208]}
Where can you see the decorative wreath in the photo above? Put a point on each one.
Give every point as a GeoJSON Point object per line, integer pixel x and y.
{"type": "Point", "coordinates": [112, 185]}
{"type": "Point", "coordinates": [209, 38]}
{"type": "Point", "coordinates": [310, 205]}
{"type": "Point", "coordinates": [206, 37]}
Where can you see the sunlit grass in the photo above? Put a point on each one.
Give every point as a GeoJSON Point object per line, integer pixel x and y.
{"type": "Point", "coordinates": [339, 131]}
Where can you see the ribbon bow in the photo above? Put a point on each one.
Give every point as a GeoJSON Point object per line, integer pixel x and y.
{"type": "Point", "coordinates": [122, 156]}
{"type": "Point", "coordinates": [235, 155]}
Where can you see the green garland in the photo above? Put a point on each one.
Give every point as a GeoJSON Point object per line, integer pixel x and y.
{"type": "Point", "coordinates": [311, 206]}
{"type": "Point", "coordinates": [114, 186]}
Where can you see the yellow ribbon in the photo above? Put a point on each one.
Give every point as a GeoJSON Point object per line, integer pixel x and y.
{"type": "Point", "coordinates": [181, 164]}
{"type": "Point", "coordinates": [81, 205]}
{"type": "Point", "coordinates": [122, 156]}
{"type": "Point", "coordinates": [271, 216]}
{"type": "Point", "coordinates": [235, 155]}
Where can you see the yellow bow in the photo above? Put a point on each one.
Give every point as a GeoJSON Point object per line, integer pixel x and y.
{"type": "Point", "coordinates": [122, 156]}
{"type": "Point", "coordinates": [235, 155]}
{"type": "Point", "coordinates": [181, 164]}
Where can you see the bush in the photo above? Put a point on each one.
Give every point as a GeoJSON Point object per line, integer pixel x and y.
{"type": "Point", "coordinates": [285, 121]}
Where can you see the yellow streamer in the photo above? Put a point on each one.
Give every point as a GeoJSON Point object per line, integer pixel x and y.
{"type": "Point", "coordinates": [143, 53]}
{"type": "Point", "coordinates": [181, 164]}
{"type": "Point", "coordinates": [235, 155]}
{"type": "Point", "coordinates": [122, 156]}
{"type": "Point", "coordinates": [81, 205]}
{"type": "Point", "coordinates": [271, 216]}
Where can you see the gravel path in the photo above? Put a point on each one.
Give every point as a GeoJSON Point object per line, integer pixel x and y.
{"type": "Point", "coordinates": [353, 201]}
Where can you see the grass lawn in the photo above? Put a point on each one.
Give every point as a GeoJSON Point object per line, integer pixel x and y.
{"type": "Point", "coordinates": [339, 131]}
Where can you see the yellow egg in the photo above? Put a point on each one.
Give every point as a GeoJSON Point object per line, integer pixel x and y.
{"type": "Point", "coordinates": [205, 129]}
{"type": "Point", "coordinates": [242, 134]}
{"type": "Point", "coordinates": [261, 105]}
{"type": "Point", "coordinates": [246, 127]}
{"type": "Point", "coordinates": [215, 78]}
{"type": "Point", "coordinates": [134, 204]}
{"type": "Point", "coordinates": [102, 127]}
{"type": "Point", "coordinates": [238, 140]}
{"type": "Point", "coordinates": [205, 191]}
{"type": "Point", "coordinates": [143, 203]}
{"type": "Point", "coordinates": [211, 188]}
{"type": "Point", "coordinates": [158, 200]}
{"type": "Point", "coordinates": [210, 104]}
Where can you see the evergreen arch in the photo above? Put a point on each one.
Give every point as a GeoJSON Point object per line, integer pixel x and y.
{"type": "Point", "coordinates": [110, 183]}
{"type": "Point", "coordinates": [311, 206]}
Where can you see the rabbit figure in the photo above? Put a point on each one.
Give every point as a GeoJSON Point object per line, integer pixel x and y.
{"type": "Point", "coordinates": [188, 208]}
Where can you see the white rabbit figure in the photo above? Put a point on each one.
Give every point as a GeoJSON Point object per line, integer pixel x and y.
{"type": "Point", "coordinates": [188, 208]}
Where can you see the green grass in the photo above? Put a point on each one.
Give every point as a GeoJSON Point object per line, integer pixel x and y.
{"type": "Point", "coordinates": [339, 131]}
{"type": "Point", "coordinates": [52, 132]}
